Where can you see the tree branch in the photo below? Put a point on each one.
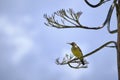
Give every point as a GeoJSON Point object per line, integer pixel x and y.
{"type": "Point", "coordinates": [73, 19]}
{"type": "Point", "coordinates": [111, 46]}
{"type": "Point", "coordinates": [108, 19]}
{"type": "Point", "coordinates": [104, 45]}
{"type": "Point", "coordinates": [96, 5]}
{"type": "Point", "coordinates": [70, 60]}
{"type": "Point", "coordinates": [69, 16]}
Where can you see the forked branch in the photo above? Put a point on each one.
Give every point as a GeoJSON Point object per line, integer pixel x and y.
{"type": "Point", "coordinates": [70, 19]}
{"type": "Point", "coordinates": [67, 16]}
{"type": "Point", "coordinates": [69, 60]}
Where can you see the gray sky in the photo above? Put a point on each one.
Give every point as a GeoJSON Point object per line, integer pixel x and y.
{"type": "Point", "coordinates": [28, 48]}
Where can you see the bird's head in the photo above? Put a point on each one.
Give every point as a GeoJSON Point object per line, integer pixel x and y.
{"type": "Point", "coordinates": [72, 43]}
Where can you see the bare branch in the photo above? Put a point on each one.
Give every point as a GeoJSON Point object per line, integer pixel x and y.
{"type": "Point", "coordinates": [104, 45]}
{"type": "Point", "coordinates": [78, 66]}
{"type": "Point", "coordinates": [69, 16]}
{"type": "Point", "coordinates": [111, 46]}
{"type": "Point", "coordinates": [62, 13]}
{"type": "Point", "coordinates": [72, 18]}
{"type": "Point", "coordinates": [73, 62]}
{"type": "Point", "coordinates": [108, 19]}
{"type": "Point", "coordinates": [96, 5]}
{"type": "Point", "coordinates": [69, 60]}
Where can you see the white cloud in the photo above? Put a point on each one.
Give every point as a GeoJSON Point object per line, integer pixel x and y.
{"type": "Point", "coordinates": [23, 47]}
{"type": "Point", "coordinates": [17, 36]}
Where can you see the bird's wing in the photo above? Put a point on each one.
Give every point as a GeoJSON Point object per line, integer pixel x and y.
{"type": "Point", "coordinates": [79, 49]}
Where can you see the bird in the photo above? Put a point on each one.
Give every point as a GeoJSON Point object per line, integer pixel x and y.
{"type": "Point", "coordinates": [77, 52]}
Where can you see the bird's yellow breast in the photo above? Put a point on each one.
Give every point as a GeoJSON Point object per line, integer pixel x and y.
{"type": "Point", "coordinates": [77, 52]}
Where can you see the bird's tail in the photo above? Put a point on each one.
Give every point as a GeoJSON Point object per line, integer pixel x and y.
{"type": "Point", "coordinates": [82, 61]}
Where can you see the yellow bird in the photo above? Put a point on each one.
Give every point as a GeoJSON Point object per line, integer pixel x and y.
{"type": "Point", "coordinates": [77, 52]}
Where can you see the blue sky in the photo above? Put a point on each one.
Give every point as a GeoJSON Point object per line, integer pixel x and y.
{"type": "Point", "coordinates": [28, 48]}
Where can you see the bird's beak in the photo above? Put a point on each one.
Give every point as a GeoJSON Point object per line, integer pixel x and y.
{"type": "Point", "coordinates": [69, 43]}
